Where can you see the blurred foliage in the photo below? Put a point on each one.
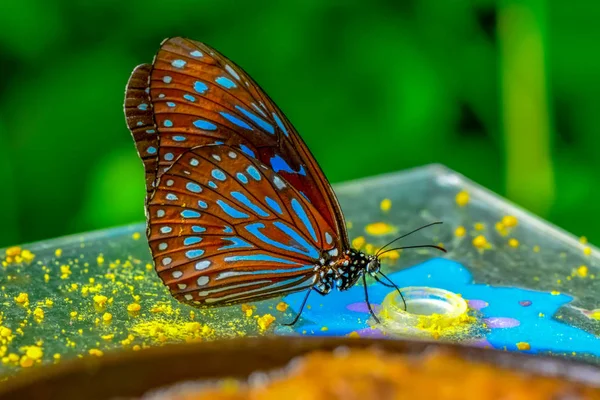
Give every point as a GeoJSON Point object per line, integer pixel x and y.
{"type": "Point", "coordinates": [505, 93]}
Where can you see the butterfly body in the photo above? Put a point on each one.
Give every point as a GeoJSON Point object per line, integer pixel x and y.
{"type": "Point", "coordinates": [237, 207]}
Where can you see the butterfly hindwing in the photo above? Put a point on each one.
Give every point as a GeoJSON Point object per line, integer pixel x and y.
{"type": "Point", "coordinates": [225, 228]}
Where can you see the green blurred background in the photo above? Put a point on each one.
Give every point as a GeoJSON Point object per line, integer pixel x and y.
{"type": "Point", "coordinates": [505, 93]}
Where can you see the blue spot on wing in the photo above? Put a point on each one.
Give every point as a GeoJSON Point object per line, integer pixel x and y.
{"type": "Point", "coordinates": [202, 124]}
{"type": "Point", "coordinates": [188, 241]}
{"type": "Point", "coordinates": [190, 214]}
{"type": "Point", "coordinates": [194, 253]}
{"type": "Point", "coordinates": [229, 210]}
{"type": "Point", "coordinates": [280, 124]}
{"type": "Point", "coordinates": [258, 121]}
{"type": "Point", "coordinates": [274, 205]}
{"type": "Point", "coordinates": [225, 82]}
{"type": "Point", "coordinates": [247, 150]}
{"type": "Point", "coordinates": [178, 63]}
{"type": "Point", "coordinates": [218, 174]}
{"type": "Point", "coordinates": [310, 251]}
{"type": "Point", "coordinates": [189, 97]}
{"type": "Point", "coordinates": [279, 164]}
{"type": "Point", "coordinates": [193, 187]}
{"type": "Point", "coordinates": [299, 210]}
{"type": "Point", "coordinates": [242, 178]}
{"type": "Point", "coordinates": [199, 87]}
{"type": "Point", "coordinates": [235, 120]}
{"type": "Point", "coordinates": [248, 203]}
{"type": "Point", "coordinates": [236, 243]}
{"type": "Point", "coordinates": [253, 172]}
{"type": "Point", "coordinates": [259, 257]}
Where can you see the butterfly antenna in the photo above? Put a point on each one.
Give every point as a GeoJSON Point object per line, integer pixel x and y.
{"type": "Point", "coordinates": [367, 299]}
{"type": "Point", "coordinates": [301, 308]}
{"type": "Point", "coordinates": [406, 234]}
{"type": "Point", "coordinates": [392, 285]}
{"type": "Point", "coordinates": [431, 246]}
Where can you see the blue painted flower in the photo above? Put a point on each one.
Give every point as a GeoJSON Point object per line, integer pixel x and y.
{"type": "Point", "coordinates": [513, 314]}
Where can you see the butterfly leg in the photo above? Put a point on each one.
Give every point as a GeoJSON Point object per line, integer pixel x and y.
{"type": "Point", "coordinates": [367, 299]}
{"type": "Point", "coordinates": [301, 308]}
{"type": "Point", "coordinates": [391, 284]}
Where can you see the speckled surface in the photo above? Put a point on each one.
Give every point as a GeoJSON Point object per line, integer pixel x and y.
{"type": "Point", "coordinates": [533, 285]}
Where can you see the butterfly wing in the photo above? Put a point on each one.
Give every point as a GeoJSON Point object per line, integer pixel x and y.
{"type": "Point", "coordinates": [200, 97]}
{"type": "Point", "coordinates": [140, 121]}
{"type": "Point", "coordinates": [224, 228]}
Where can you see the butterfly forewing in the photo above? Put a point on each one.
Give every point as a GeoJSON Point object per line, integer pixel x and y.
{"type": "Point", "coordinates": [200, 97]}
{"type": "Point", "coordinates": [225, 228]}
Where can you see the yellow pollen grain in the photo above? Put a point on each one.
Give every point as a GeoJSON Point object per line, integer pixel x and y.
{"type": "Point", "coordinates": [27, 255]}
{"type": "Point", "coordinates": [65, 271]}
{"type": "Point", "coordinates": [149, 267]}
{"type": "Point", "coordinates": [34, 352]}
{"type": "Point", "coordinates": [96, 352]}
{"type": "Point", "coordinates": [38, 314]}
{"type": "Point", "coordinates": [22, 299]}
{"type": "Point", "coordinates": [265, 321]}
{"type": "Point", "coordinates": [48, 303]}
{"type": "Point", "coordinates": [358, 242]}
{"type": "Point", "coordinates": [460, 231]}
{"type": "Point", "coordinates": [385, 205]}
{"type": "Point", "coordinates": [479, 226]}
{"type": "Point", "coordinates": [582, 240]}
{"type": "Point", "coordinates": [462, 198]}
{"type": "Point", "coordinates": [100, 259]}
{"type": "Point", "coordinates": [582, 271]}
{"type": "Point", "coordinates": [510, 221]}
{"type": "Point", "coordinates": [5, 332]}
{"type": "Point", "coordinates": [100, 301]}
{"type": "Point", "coordinates": [480, 242]}
{"type": "Point", "coordinates": [523, 346]}
{"type": "Point", "coordinates": [26, 362]}
{"type": "Point", "coordinates": [107, 317]}
{"type": "Point", "coordinates": [58, 252]}
{"type": "Point", "coordinates": [73, 314]}
{"type": "Point", "coordinates": [281, 306]}
{"type": "Point", "coordinates": [512, 242]}
{"type": "Point", "coordinates": [324, 329]}
{"type": "Point", "coordinates": [555, 293]}
{"type": "Point", "coordinates": [13, 251]}
{"type": "Point", "coordinates": [379, 228]}
{"type": "Point", "coordinates": [595, 314]}
{"type": "Point", "coordinates": [136, 236]}
{"type": "Point", "coordinates": [502, 230]}
{"type": "Point", "coordinates": [587, 250]}
{"type": "Point", "coordinates": [134, 307]}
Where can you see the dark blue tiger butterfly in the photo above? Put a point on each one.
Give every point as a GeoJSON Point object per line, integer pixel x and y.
{"type": "Point", "coordinates": [237, 207]}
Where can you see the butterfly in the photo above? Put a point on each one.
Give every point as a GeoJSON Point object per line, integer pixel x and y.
{"type": "Point", "coordinates": [237, 207]}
